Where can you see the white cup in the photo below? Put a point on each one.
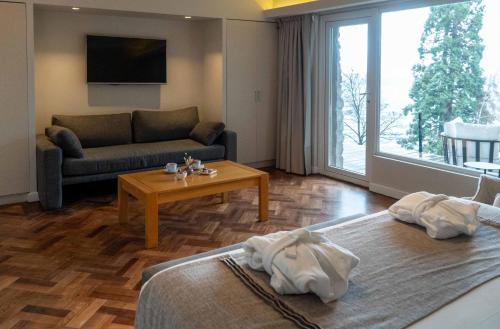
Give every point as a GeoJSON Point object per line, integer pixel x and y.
{"type": "Point", "coordinates": [197, 164]}
{"type": "Point", "coordinates": [171, 167]}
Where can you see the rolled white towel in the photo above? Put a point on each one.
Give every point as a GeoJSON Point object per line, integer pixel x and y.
{"type": "Point", "coordinates": [301, 261]}
{"type": "Point", "coordinates": [443, 217]}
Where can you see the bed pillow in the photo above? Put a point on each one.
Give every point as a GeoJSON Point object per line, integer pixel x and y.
{"type": "Point", "coordinates": [496, 202]}
{"type": "Point", "coordinates": [489, 214]}
{"type": "Point", "coordinates": [67, 140]}
{"type": "Point", "coordinates": [207, 132]}
{"type": "Point", "coordinates": [487, 189]}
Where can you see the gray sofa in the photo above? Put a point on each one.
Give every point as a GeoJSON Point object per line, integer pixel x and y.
{"type": "Point", "coordinates": [121, 143]}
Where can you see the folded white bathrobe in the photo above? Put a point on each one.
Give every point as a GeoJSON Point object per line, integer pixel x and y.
{"type": "Point", "coordinates": [300, 262]}
{"type": "Point", "coordinates": [444, 217]}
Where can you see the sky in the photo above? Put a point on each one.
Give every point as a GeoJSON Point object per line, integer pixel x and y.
{"type": "Point", "coordinates": [400, 42]}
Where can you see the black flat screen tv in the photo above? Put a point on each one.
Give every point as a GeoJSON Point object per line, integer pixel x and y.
{"type": "Point", "coordinates": [117, 60]}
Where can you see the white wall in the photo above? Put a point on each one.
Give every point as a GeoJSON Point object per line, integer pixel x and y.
{"type": "Point", "coordinates": [398, 178]}
{"type": "Point", "coordinates": [60, 66]}
{"type": "Point", "coordinates": [14, 110]}
{"type": "Point", "coordinates": [213, 71]}
{"type": "Point", "coordinates": [251, 80]}
{"type": "Point", "coordinates": [238, 9]}
{"type": "Point", "coordinates": [20, 179]}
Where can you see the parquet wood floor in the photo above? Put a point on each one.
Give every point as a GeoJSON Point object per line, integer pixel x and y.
{"type": "Point", "coordinates": [79, 268]}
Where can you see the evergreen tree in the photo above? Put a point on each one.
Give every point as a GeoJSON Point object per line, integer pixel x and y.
{"type": "Point", "coordinates": [448, 80]}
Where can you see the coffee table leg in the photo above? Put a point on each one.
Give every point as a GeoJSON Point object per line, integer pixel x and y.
{"type": "Point", "coordinates": [264, 198]}
{"type": "Point", "coordinates": [151, 221]}
{"type": "Point", "coordinates": [122, 203]}
{"type": "Point", "coordinates": [225, 197]}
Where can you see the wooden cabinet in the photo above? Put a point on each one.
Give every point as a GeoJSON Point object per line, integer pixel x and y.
{"type": "Point", "coordinates": [14, 110]}
{"type": "Point", "coordinates": [251, 92]}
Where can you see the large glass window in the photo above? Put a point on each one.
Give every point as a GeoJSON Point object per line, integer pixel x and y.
{"type": "Point", "coordinates": [440, 83]}
{"type": "Point", "coordinates": [348, 67]}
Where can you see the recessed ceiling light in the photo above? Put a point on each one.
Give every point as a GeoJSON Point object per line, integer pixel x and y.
{"type": "Point", "coordinates": [187, 17]}
{"type": "Point", "coordinates": [75, 8]}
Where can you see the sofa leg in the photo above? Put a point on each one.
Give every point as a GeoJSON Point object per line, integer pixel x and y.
{"type": "Point", "coordinates": [50, 199]}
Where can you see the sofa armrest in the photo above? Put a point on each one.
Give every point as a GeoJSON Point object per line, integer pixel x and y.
{"type": "Point", "coordinates": [49, 158]}
{"type": "Point", "coordinates": [229, 139]}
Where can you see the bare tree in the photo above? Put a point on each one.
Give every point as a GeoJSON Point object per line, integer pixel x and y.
{"type": "Point", "coordinates": [388, 120]}
{"type": "Point", "coordinates": [354, 97]}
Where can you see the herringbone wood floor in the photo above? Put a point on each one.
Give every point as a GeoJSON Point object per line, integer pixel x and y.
{"type": "Point", "coordinates": [79, 268]}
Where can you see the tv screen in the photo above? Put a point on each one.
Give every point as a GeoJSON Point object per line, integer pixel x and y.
{"type": "Point", "coordinates": [116, 60]}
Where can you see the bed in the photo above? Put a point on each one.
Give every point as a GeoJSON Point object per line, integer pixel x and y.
{"type": "Point", "coordinates": [404, 279]}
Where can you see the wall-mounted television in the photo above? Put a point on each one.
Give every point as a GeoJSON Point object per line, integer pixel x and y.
{"type": "Point", "coordinates": [117, 60]}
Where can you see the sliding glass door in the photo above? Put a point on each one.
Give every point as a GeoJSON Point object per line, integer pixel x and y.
{"type": "Point", "coordinates": [414, 81]}
{"type": "Point", "coordinates": [347, 95]}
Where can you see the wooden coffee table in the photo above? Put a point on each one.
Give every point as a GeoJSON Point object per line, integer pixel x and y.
{"type": "Point", "coordinates": [155, 187]}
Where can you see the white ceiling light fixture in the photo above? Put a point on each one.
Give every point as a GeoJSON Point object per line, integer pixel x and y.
{"type": "Point", "coordinates": [188, 17]}
{"type": "Point", "coordinates": [75, 8]}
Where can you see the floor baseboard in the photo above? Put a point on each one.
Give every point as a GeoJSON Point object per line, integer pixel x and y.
{"type": "Point", "coordinates": [262, 164]}
{"type": "Point", "coordinates": [32, 197]}
{"type": "Point", "coordinates": [386, 190]}
{"type": "Point", "coordinates": [17, 198]}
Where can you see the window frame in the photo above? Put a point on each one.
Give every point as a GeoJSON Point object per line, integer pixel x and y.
{"type": "Point", "coordinates": [394, 7]}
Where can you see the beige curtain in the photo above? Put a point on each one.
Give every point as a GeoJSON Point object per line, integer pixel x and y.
{"type": "Point", "coordinates": [297, 53]}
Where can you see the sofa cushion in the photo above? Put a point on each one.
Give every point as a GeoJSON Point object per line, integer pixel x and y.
{"type": "Point", "coordinates": [137, 156]}
{"type": "Point", "coordinates": [207, 132]}
{"type": "Point", "coordinates": [496, 202]}
{"type": "Point", "coordinates": [98, 130]}
{"type": "Point", "coordinates": [66, 140]}
{"type": "Point", "coordinates": [155, 126]}
{"type": "Point", "coordinates": [477, 132]}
